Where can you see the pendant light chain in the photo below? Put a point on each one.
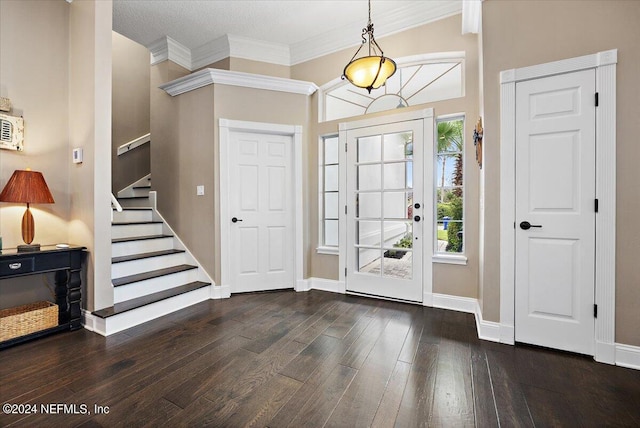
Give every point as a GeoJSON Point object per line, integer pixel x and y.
{"type": "Point", "coordinates": [370, 28]}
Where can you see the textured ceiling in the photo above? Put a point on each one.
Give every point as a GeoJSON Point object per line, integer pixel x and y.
{"type": "Point", "coordinates": [195, 22]}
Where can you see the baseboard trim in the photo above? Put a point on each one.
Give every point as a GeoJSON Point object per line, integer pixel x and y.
{"type": "Point", "coordinates": [454, 303]}
{"type": "Point", "coordinates": [93, 323]}
{"type": "Point", "coordinates": [329, 285]}
{"type": "Point", "coordinates": [605, 352]}
{"type": "Point", "coordinates": [220, 291]}
{"type": "Point", "coordinates": [507, 334]}
{"type": "Point", "coordinates": [628, 356]}
{"type": "Point", "coordinates": [88, 320]}
{"type": "Point", "coordinates": [303, 285]}
{"type": "Point", "coordinates": [487, 330]}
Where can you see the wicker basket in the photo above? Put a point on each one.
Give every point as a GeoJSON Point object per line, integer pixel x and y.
{"type": "Point", "coordinates": [26, 319]}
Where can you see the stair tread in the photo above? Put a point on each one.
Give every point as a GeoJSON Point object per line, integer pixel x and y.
{"type": "Point", "coordinates": [138, 302]}
{"type": "Point", "coordinates": [142, 187]}
{"type": "Point", "coordinates": [139, 238]}
{"type": "Point", "coordinates": [151, 274]}
{"type": "Point", "coordinates": [145, 255]}
{"type": "Point", "coordinates": [129, 223]}
{"type": "Point", "coordinates": [135, 208]}
{"type": "Point", "coordinates": [133, 197]}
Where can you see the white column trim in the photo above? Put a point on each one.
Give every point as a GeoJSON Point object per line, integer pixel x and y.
{"type": "Point", "coordinates": [604, 64]}
{"type": "Point", "coordinates": [507, 209]}
{"type": "Point", "coordinates": [295, 131]}
{"type": "Point", "coordinates": [606, 218]}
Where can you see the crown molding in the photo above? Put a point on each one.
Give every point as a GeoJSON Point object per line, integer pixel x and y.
{"type": "Point", "coordinates": [223, 47]}
{"type": "Point", "coordinates": [167, 48]}
{"type": "Point", "coordinates": [210, 76]}
{"type": "Point", "coordinates": [401, 19]}
{"type": "Point", "coordinates": [258, 50]}
{"type": "Point", "coordinates": [210, 52]}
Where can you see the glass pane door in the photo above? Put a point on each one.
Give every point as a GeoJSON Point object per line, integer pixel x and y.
{"type": "Point", "coordinates": [384, 204]}
{"type": "Point", "coordinates": [383, 227]}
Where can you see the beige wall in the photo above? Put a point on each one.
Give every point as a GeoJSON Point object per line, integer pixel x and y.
{"type": "Point", "coordinates": [185, 152]}
{"type": "Point", "coordinates": [440, 36]}
{"type": "Point", "coordinates": [34, 52]}
{"type": "Point", "coordinates": [34, 47]}
{"type": "Point", "coordinates": [55, 65]}
{"type": "Point", "coordinates": [250, 66]}
{"type": "Point", "coordinates": [130, 111]}
{"type": "Point", "coordinates": [518, 34]}
{"type": "Point", "coordinates": [259, 67]}
{"type": "Point", "coordinates": [187, 165]}
{"type": "Point", "coordinates": [256, 105]}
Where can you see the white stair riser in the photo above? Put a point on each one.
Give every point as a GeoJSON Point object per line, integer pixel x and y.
{"type": "Point", "coordinates": [134, 203]}
{"type": "Point", "coordinates": [142, 288]}
{"type": "Point", "coordinates": [128, 191]}
{"type": "Point", "coordinates": [143, 246]}
{"type": "Point", "coordinates": [146, 313]}
{"type": "Point", "coordinates": [132, 230]}
{"type": "Point", "coordinates": [133, 267]}
{"type": "Point", "coordinates": [140, 192]}
{"type": "Point", "coordinates": [132, 215]}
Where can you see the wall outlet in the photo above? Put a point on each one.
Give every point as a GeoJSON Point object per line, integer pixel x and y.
{"type": "Point", "coordinates": [200, 190]}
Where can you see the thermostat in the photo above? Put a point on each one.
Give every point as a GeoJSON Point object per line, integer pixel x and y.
{"type": "Point", "coordinates": [77, 155]}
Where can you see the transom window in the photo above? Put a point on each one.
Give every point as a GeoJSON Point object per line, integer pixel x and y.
{"type": "Point", "coordinates": [418, 80]}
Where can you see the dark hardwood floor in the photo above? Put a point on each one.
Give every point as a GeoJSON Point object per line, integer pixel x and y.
{"type": "Point", "coordinates": [309, 360]}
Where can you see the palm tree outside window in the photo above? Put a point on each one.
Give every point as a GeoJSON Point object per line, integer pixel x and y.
{"type": "Point", "coordinates": [449, 193]}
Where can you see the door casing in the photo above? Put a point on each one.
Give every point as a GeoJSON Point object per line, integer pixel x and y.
{"type": "Point", "coordinates": [604, 64]}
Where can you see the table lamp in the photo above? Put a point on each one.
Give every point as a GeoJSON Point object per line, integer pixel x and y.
{"type": "Point", "coordinates": [27, 187]}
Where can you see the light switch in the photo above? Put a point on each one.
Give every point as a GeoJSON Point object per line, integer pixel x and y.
{"type": "Point", "coordinates": [200, 190]}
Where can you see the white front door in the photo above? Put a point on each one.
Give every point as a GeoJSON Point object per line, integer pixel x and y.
{"type": "Point", "coordinates": [555, 215]}
{"type": "Point", "coordinates": [261, 211]}
{"type": "Point", "coordinates": [385, 210]}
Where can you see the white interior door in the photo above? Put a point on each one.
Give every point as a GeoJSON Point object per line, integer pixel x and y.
{"type": "Point", "coordinates": [555, 215]}
{"type": "Point", "coordinates": [261, 212]}
{"type": "Point", "coordinates": [386, 210]}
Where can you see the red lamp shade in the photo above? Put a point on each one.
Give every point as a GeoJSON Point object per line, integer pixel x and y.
{"type": "Point", "coordinates": [27, 187]}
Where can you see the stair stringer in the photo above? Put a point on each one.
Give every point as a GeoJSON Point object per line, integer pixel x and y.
{"type": "Point", "coordinates": [129, 191]}
{"type": "Point", "coordinates": [217, 291]}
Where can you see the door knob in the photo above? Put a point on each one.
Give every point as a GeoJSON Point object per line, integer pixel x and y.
{"type": "Point", "coordinates": [416, 218]}
{"type": "Point", "coordinates": [525, 225]}
{"type": "Point", "coordinates": [235, 220]}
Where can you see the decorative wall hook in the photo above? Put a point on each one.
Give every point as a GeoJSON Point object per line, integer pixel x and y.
{"type": "Point", "coordinates": [477, 141]}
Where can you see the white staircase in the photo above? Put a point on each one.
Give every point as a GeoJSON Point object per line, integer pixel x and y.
{"type": "Point", "coordinates": [152, 272]}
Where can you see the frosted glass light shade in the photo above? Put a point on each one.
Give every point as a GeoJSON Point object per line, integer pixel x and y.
{"type": "Point", "coordinates": [370, 72]}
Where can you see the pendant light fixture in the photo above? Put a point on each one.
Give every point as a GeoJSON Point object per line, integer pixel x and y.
{"type": "Point", "coordinates": [371, 71]}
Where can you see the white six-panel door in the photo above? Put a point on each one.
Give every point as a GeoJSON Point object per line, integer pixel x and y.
{"type": "Point", "coordinates": [555, 194]}
{"type": "Point", "coordinates": [260, 201]}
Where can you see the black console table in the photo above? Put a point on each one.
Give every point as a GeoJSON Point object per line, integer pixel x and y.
{"type": "Point", "coordinates": [67, 265]}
